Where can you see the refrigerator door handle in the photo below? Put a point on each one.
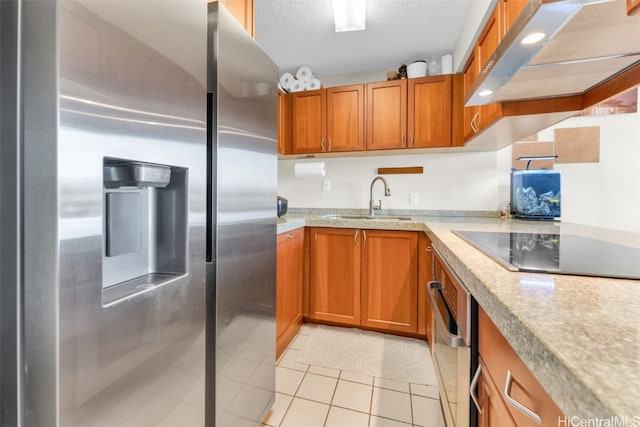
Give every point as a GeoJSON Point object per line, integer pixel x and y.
{"type": "Point", "coordinates": [211, 185]}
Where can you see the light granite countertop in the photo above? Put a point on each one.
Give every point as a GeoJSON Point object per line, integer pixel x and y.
{"type": "Point", "coordinates": [580, 336]}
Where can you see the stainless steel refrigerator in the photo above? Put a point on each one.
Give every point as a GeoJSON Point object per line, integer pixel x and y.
{"type": "Point", "coordinates": [137, 249]}
{"type": "Point", "coordinates": [241, 244]}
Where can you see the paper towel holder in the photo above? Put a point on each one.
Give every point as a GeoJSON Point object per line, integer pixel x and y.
{"type": "Point", "coordinates": [310, 169]}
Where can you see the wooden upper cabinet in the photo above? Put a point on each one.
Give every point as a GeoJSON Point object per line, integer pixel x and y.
{"type": "Point", "coordinates": [386, 116]}
{"type": "Point", "coordinates": [509, 11]}
{"type": "Point", "coordinates": [308, 119]}
{"type": "Point", "coordinates": [470, 114]}
{"type": "Point", "coordinates": [345, 118]}
{"type": "Point", "coordinates": [242, 10]}
{"type": "Point", "coordinates": [429, 112]}
{"type": "Point", "coordinates": [389, 280]}
{"type": "Point", "coordinates": [334, 289]}
{"type": "Point", "coordinates": [633, 7]}
{"type": "Point", "coordinates": [284, 123]}
{"type": "Point", "coordinates": [489, 39]}
{"type": "Point", "coordinates": [289, 275]}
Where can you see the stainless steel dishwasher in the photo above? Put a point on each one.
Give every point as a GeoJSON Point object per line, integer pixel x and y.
{"type": "Point", "coordinates": [454, 343]}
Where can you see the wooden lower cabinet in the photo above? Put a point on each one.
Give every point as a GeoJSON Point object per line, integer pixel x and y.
{"type": "Point", "coordinates": [289, 287]}
{"type": "Point", "coordinates": [425, 275]}
{"type": "Point", "coordinates": [334, 293]}
{"type": "Point", "coordinates": [494, 412]}
{"type": "Point", "coordinates": [499, 359]}
{"type": "Point", "coordinates": [390, 280]}
{"type": "Point", "coordinates": [364, 277]}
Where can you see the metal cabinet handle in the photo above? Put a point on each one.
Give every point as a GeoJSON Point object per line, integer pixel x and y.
{"type": "Point", "coordinates": [472, 388]}
{"type": "Point", "coordinates": [402, 140]}
{"type": "Point", "coordinates": [290, 236]}
{"type": "Point", "coordinates": [329, 144]}
{"type": "Point", "coordinates": [355, 238]}
{"type": "Point", "coordinates": [322, 144]}
{"type": "Point", "coordinates": [474, 124]}
{"type": "Point", "coordinates": [364, 238]}
{"type": "Point", "coordinates": [519, 406]}
{"type": "Point", "coordinates": [428, 249]}
{"type": "Point", "coordinates": [410, 140]}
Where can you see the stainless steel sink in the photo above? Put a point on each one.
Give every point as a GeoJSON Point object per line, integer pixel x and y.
{"type": "Point", "coordinates": [369, 218]}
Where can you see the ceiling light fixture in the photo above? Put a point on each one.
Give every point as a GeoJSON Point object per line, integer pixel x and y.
{"type": "Point", "coordinates": [485, 92]}
{"type": "Point", "coordinates": [349, 15]}
{"type": "Point", "coordinates": [533, 38]}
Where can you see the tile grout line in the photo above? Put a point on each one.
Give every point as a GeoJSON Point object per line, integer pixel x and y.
{"type": "Point", "coordinates": [371, 403]}
{"type": "Point", "coordinates": [333, 395]}
{"type": "Point", "coordinates": [411, 406]}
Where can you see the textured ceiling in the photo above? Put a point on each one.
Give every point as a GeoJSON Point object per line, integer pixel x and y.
{"type": "Point", "coordinates": [301, 32]}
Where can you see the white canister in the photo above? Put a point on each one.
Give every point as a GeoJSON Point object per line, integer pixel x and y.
{"type": "Point", "coordinates": [417, 69]}
{"type": "Point", "coordinates": [447, 64]}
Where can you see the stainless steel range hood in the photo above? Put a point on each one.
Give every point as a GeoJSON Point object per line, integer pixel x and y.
{"type": "Point", "coordinates": [585, 43]}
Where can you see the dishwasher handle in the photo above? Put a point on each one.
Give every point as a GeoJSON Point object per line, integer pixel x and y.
{"type": "Point", "coordinates": [454, 341]}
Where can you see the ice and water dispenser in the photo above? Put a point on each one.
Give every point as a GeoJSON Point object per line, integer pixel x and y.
{"type": "Point", "coordinates": [144, 226]}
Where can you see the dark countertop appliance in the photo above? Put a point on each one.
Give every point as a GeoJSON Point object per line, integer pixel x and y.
{"type": "Point", "coordinates": [557, 253]}
{"type": "Point", "coordinates": [282, 206]}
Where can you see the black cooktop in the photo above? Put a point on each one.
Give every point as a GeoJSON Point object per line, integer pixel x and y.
{"type": "Point", "coordinates": [556, 253]}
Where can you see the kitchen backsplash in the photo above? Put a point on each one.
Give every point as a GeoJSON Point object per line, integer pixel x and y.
{"type": "Point", "coordinates": [452, 181]}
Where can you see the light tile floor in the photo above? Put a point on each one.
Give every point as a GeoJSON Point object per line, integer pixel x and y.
{"type": "Point", "coordinates": [309, 396]}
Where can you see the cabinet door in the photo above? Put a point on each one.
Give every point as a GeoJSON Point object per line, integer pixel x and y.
{"type": "Point", "coordinates": [425, 317]}
{"type": "Point", "coordinates": [288, 288]}
{"type": "Point", "coordinates": [429, 112]}
{"type": "Point", "coordinates": [345, 118]}
{"type": "Point", "coordinates": [334, 289]}
{"type": "Point", "coordinates": [389, 280]}
{"type": "Point", "coordinates": [510, 11]}
{"type": "Point", "coordinates": [493, 412]}
{"type": "Point", "coordinates": [489, 39]}
{"type": "Point", "coordinates": [242, 10]}
{"type": "Point", "coordinates": [284, 123]}
{"type": "Point", "coordinates": [386, 115]}
{"type": "Point", "coordinates": [470, 114]}
{"type": "Point", "coordinates": [308, 120]}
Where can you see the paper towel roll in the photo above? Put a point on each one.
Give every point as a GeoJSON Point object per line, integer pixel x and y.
{"type": "Point", "coordinates": [310, 169]}
{"type": "Point", "coordinates": [312, 84]}
{"type": "Point", "coordinates": [297, 86]}
{"type": "Point", "coordinates": [285, 80]}
{"type": "Point", "coordinates": [304, 73]}
{"type": "Point", "coordinates": [447, 64]}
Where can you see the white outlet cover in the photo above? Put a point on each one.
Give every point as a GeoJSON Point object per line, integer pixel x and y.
{"type": "Point", "coordinates": [413, 199]}
{"type": "Point", "coordinates": [326, 184]}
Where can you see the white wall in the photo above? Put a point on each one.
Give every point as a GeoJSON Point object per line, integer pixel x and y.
{"type": "Point", "coordinates": [604, 194]}
{"type": "Point", "coordinates": [453, 181]}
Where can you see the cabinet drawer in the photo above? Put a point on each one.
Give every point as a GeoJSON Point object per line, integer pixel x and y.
{"type": "Point", "coordinates": [493, 409]}
{"type": "Point", "coordinates": [500, 359]}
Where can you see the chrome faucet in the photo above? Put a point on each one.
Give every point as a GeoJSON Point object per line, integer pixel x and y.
{"type": "Point", "coordinates": [387, 192]}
